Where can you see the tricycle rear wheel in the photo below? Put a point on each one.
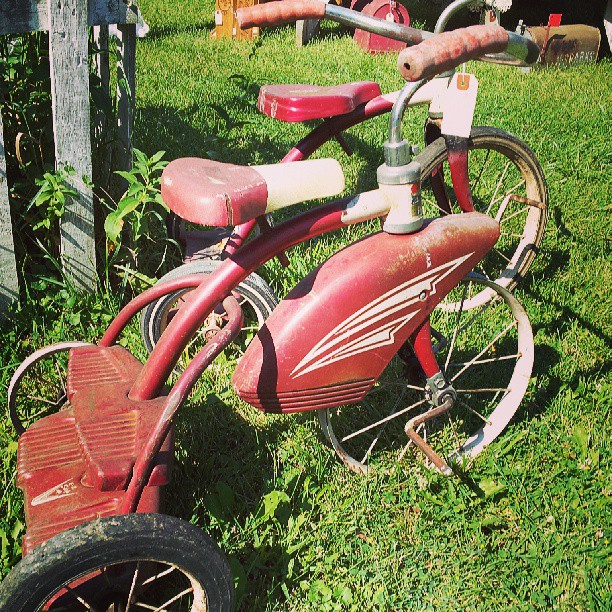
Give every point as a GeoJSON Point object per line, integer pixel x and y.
{"type": "Point", "coordinates": [128, 562]}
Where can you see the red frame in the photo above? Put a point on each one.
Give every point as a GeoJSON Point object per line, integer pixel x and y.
{"type": "Point", "coordinates": [333, 128]}
{"type": "Point", "coordinates": [244, 258]}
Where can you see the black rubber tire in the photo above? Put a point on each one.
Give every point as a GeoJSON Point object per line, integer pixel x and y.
{"type": "Point", "coordinates": [253, 289]}
{"type": "Point", "coordinates": [526, 165]}
{"type": "Point", "coordinates": [127, 538]}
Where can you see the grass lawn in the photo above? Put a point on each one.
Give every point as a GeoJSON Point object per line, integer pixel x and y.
{"type": "Point", "coordinates": [530, 527]}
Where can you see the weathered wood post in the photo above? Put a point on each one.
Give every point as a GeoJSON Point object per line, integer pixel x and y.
{"type": "Point", "coordinates": [126, 92]}
{"type": "Point", "coordinates": [68, 55]}
{"type": "Point", "coordinates": [9, 288]}
{"type": "Point", "coordinates": [67, 22]}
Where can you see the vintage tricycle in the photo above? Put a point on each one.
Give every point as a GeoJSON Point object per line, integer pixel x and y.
{"type": "Point", "coordinates": [384, 339]}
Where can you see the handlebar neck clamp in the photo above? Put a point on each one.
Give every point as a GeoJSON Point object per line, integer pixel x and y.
{"type": "Point", "coordinates": [401, 186]}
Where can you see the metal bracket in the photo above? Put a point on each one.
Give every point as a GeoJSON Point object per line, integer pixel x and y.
{"type": "Point", "coordinates": [440, 389]}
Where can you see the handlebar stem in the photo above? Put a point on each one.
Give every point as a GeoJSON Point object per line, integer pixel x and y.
{"type": "Point", "coordinates": [395, 123]}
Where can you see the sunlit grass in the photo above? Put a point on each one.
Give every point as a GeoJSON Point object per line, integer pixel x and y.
{"type": "Point", "coordinates": [530, 526]}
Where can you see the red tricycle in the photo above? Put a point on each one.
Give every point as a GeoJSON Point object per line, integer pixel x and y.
{"type": "Point", "coordinates": [393, 340]}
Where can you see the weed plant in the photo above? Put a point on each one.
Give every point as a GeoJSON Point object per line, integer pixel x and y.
{"type": "Point", "coordinates": [529, 527]}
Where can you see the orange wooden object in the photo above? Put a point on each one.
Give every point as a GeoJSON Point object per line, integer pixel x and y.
{"type": "Point", "coordinates": [226, 24]}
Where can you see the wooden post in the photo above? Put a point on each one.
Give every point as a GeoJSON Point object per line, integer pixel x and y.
{"type": "Point", "coordinates": [102, 129]}
{"type": "Point", "coordinates": [68, 56]}
{"type": "Point", "coordinates": [9, 288]}
{"type": "Point", "coordinates": [67, 22]}
{"type": "Point", "coordinates": [126, 88]}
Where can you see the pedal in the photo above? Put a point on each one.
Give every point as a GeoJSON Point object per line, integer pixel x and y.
{"type": "Point", "coordinates": [420, 443]}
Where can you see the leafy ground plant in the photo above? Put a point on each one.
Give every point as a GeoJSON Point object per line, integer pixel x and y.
{"type": "Point", "coordinates": [135, 228]}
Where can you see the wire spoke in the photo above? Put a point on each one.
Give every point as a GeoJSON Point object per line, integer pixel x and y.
{"type": "Point", "coordinates": [484, 350]}
{"type": "Point", "coordinates": [502, 255]}
{"type": "Point", "coordinates": [508, 192]}
{"type": "Point", "coordinates": [383, 420]}
{"type": "Point", "coordinates": [382, 429]}
{"type": "Point", "coordinates": [79, 598]}
{"type": "Point", "coordinates": [60, 376]}
{"type": "Point", "coordinates": [459, 364]}
{"type": "Point", "coordinates": [433, 202]}
{"type": "Point", "coordinates": [103, 572]}
{"type": "Point", "coordinates": [403, 451]}
{"type": "Point", "coordinates": [159, 575]}
{"type": "Point", "coordinates": [514, 214]}
{"type": "Point", "coordinates": [475, 412]}
{"type": "Point", "coordinates": [36, 398]}
{"type": "Point", "coordinates": [178, 596]}
{"type": "Point", "coordinates": [512, 235]}
{"type": "Point", "coordinates": [455, 331]}
{"type": "Point", "coordinates": [482, 169]}
{"type": "Point", "coordinates": [490, 390]}
{"type": "Point", "coordinates": [132, 587]}
{"type": "Point", "coordinates": [499, 183]}
{"type": "Point", "coordinates": [36, 415]}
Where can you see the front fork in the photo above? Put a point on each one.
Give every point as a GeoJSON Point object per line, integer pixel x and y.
{"type": "Point", "coordinates": [394, 176]}
{"type": "Point", "coordinates": [440, 392]}
{"type": "Point", "coordinates": [457, 149]}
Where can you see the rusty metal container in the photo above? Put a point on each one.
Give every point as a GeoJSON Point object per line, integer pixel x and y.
{"type": "Point", "coordinates": [567, 44]}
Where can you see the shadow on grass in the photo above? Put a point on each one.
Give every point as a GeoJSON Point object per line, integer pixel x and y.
{"type": "Point", "coordinates": [225, 467]}
{"type": "Point", "coordinates": [557, 261]}
{"type": "Point", "coordinates": [162, 32]}
{"type": "Point", "coordinates": [165, 128]}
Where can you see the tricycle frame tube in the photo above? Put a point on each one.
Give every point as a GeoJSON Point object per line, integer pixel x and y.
{"type": "Point", "coordinates": [457, 148]}
{"type": "Point", "coordinates": [421, 343]}
{"type": "Point", "coordinates": [436, 179]}
{"type": "Point", "coordinates": [238, 236]}
{"type": "Point", "coordinates": [146, 457]}
{"type": "Point", "coordinates": [388, 29]}
{"type": "Point", "coordinates": [139, 302]}
{"type": "Point", "coordinates": [335, 126]}
{"type": "Point", "coordinates": [214, 288]}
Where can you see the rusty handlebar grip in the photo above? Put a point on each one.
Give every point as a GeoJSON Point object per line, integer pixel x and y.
{"type": "Point", "coordinates": [277, 13]}
{"type": "Point", "coordinates": [449, 50]}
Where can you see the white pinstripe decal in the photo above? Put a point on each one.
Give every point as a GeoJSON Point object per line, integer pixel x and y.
{"type": "Point", "coordinates": [365, 330]}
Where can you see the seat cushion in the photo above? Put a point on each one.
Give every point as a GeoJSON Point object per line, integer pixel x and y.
{"type": "Point", "coordinates": [303, 102]}
{"type": "Point", "coordinates": [213, 193]}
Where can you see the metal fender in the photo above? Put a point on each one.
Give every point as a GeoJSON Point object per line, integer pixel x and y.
{"type": "Point", "coordinates": [329, 340]}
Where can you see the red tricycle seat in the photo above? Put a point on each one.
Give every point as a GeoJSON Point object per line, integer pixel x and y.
{"type": "Point", "coordinates": [214, 193]}
{"type": "Point", "coordinates": [303, 102]}
{"type": "Point", "coordinates": [74, 466]}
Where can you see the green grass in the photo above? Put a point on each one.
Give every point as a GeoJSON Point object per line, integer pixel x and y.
{"type": "Point", "coordinates": [530, 527]}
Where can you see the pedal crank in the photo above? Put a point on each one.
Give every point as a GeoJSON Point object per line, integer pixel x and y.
{"type": "Point", "coordinates": [442, 396]}
{"type": "Point", "coordinates": [429, 452]}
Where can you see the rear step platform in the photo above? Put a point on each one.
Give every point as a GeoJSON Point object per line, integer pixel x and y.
{"type": "Point", "coordinates": [74, 466]}
{"type": "Point", "coordinates": [295, 103]}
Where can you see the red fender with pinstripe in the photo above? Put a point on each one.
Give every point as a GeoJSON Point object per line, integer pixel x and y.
{"type": "Point", "coordinates": [330, 339]}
